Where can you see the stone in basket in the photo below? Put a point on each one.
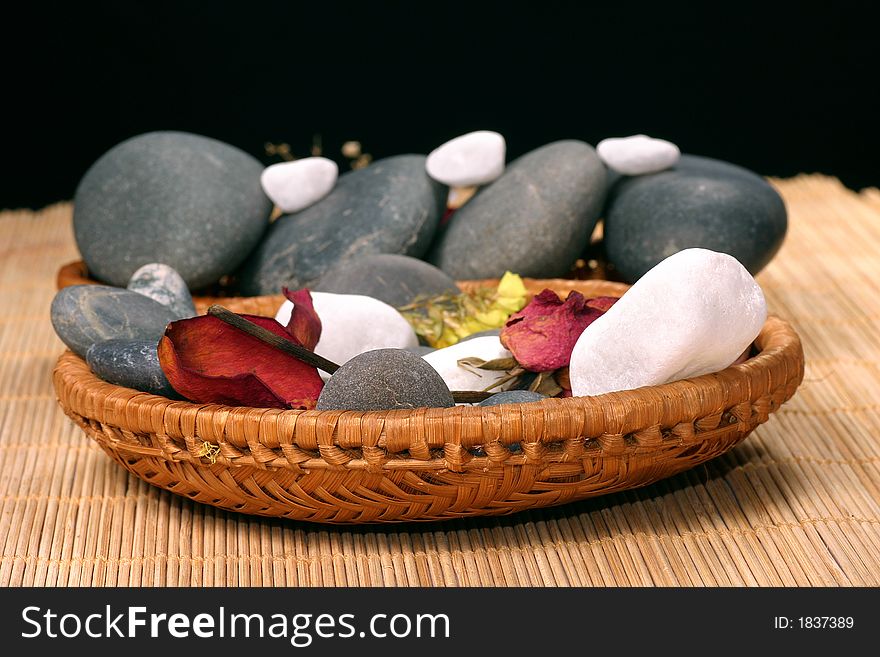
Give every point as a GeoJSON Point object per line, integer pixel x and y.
{"type": "Point", "coordinates": [340, 466]}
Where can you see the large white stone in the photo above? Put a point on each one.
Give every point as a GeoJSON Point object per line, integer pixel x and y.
{"type": "Point", "coordinates": [296, 185]}
{"type": "Point", "coordinates": [476, 158]}
{"type": "Point", "coordinates": [352, 324]}
{"type": "Point", "coordinates": [445, 361]}
{"type": "Point", "coordinates": [694, 313]}
{"type": "Point", "coordinates": [638, 155]}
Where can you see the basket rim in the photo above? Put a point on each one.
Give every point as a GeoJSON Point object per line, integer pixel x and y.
{"type": "Point", "coordinates": [615, 413]}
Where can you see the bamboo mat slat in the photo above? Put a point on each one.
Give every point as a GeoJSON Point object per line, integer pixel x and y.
{"type": "Point", "coordinates": [797, 503]}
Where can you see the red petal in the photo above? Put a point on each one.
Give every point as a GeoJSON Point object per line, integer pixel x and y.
{"type": "Point", "coordinates": [601, 303]}
{"type": "Point", "coordinates": [304, 325]}
{"type": "Point", "coordinates": [542, 335]}
{"type": "Point", "coordinates": [208, 361]}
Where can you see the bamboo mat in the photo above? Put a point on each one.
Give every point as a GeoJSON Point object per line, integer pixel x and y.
{"type": "Point", "coordinates": [797, 503]}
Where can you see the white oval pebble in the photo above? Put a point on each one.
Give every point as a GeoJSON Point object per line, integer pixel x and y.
{"type": "Point", "coordinates": [694, 313]}
{"type": "Point", "coordinates": [296, 185]}
{"type": "Point", "coordinates": [352, 324]}
{"type": "Point", "coordinates": [638, 155]}
{"type": "Point", "coordinates": [476, 158]}
{"type": "Point", "coordinates": [445, 361]}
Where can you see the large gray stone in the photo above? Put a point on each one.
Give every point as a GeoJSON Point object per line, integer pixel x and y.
{"type": "Point", "coordinates": [535, 220]}
{"type": "Point", "coordinates": [385, 379]}
{"type": "Point", "coordinates": [130, 363]}
{"type": "Point", "coordinates": [85, 314]}
{"type": "Point", "coordinates": [391, 206]}
{"type": "Point", "coordinates": [701, 202]}
{"type": "Point", "coordinates": [188, 201]}
{"type": "Point", "coordinates": [394, 279]}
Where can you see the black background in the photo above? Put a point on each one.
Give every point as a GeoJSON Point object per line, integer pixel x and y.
{"type": "Point", "coordinates": [779, 88]}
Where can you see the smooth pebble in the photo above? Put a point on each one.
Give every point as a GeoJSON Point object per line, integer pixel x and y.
{"type": "Point", "coordinates": [476, 158]}
{"type": "Point", "coordinates": [385, 379]}
{"type": "Point", "coordinates": [130, 363]}
{"type": "Point", "coordinates": [445, 361]}
{"type": "Point", "coordinates": [512, 397]}
{"type": "Point", "coordinates": [638, 155]}
{"type": "Point", "coordinates": [294, 186]}
{"type": "Point", "coordinates": [85, 314]}
{"type": "Point", "coordinates": [395, 279]}
{"type": "Point", "coordinates": [188, 201]}
{"type": "Point", "coordinates": [352, 324]}
{"type": "Point", "coordinates": [702, 203]}
{"type": "Point", "coordinates": [391, 206]}
{"type": "Point", "coordinates": [163, 284]}
{"type": "Point", "coordinates": [535, 220]}
{"type": "Point", "coordinates": [692, 314]}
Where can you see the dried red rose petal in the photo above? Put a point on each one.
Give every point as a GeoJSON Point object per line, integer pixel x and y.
{"type": "Point", "coordinates": [208, 361]}
{"type": "Point", "coordinates": [542, 335]}
{"type": "Point", "coordinates": [304, 325]}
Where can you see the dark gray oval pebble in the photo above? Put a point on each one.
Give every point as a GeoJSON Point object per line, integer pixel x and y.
{"type": "Point", "coordinates": [130, 363]}
{"type": "Point", "coordinates": [188, 201]}
{"type": "Point", "coordinates": [535, 220]}
{"type": "Point", "coordinates": [395, 279]}
{"type": "Point", "coordinates": [391, 206]}
{"type": "Point", "coordinates": [83, 315]}
{"type": "Point", "coordinates": [385, 379]}
{"type": "Point", "coordinates": [699, 203]}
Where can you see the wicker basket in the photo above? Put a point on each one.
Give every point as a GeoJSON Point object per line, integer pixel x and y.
{"type": "Point", "coordinates": [379, 466]}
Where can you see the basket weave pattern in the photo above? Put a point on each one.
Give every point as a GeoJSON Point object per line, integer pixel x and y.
{"type": "Point", "coordinates": [379, 466]}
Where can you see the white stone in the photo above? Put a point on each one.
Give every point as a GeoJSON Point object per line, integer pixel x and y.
{"type": "Point", "coordinates": [694, 313]}
{"type": "Point", "coordinates": [296, 185]}
{"type": "Point", "coordinates": [163, 284]}
{"type": "Point", "coordinates": [638, 155]}
{"type": "Point", "coordinates": [476, 158]}
{"type": "Point", "coordinates": [445, 361]}
{"type": "Point", "coordinates": [352, 324]}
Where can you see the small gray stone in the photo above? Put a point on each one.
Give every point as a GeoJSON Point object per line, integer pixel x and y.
{"type": "Point", "coordinates": [385, 379]}
{"type": "Point", "coordinates": [535, 220]}
{"type": "Point", "coordinates": [163, 284]}
{"type": "Point", "coordinates": [130, 363]}
{"type": "Point", "coordinates": [394, 279]}
{"type": "Point", "coordinates": [699, 203]}
{"type": "Point", "coordinates": [482, 334]}
{"type": "Point", "coordinates": [391, 206]}
{"type": "Point", "coordinates": [512, 397]}
{"type": "Point", "coordinates": [421, 350]}
{"type": "Point", "coordinates": [194, 203]}
{"type": "Point", "coordinates": [85, 314]}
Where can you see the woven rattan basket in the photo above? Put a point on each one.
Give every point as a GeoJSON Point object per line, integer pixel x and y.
{"type": "Point", "coordinates": [431, 464]}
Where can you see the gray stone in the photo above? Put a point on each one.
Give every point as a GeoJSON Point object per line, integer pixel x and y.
{"type": "Point", "coordinates": [391, 206]}
{"type": "Point", "coordinates": [535, 220]}
{"type": "Point", "coordinates": [385, 379]}
{"type": "Point", "coordinates": [130, 363]}
{"type": "Point", "coordinates": [699, 203]}
{"type": "Point", "coordinates": [163, 284]}
{"type": "Point", "coordinates": [512, 397]}
{"type": "Point", "coordinates": [394, 279]}
{"type": "Point", "coordinates": [421, 349]}
{"type": "Point", "coordinates": [188, 201]}
{"type": "Point", "coordinates": [482, 334]}
{"type": "Point", "coordinates": [85, 314]}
